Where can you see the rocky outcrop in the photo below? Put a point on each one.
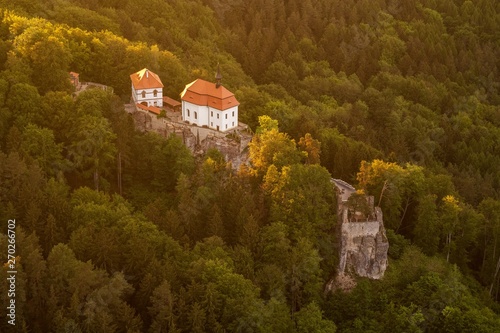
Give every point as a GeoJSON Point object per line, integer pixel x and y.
{"type": "Point", "coordinates": [233, 147]}
{"type": "Point", "coordinates": [362, 241]}
{"type": "Point", "coordinates": [363, 247]}
{"type": "Point", "coordinates": [199, 140]}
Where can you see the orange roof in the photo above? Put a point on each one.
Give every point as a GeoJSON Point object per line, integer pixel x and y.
{"type": "Point", "coordinates": [145, 79]}
{"type": "Point", "coordinates": [171, 101]}
{"type": "Point", "coordinates": [201, 92]}
{"type": "Point", "coordinates": [153, 109]}
{"type": "Point", "coordinates": [74, 75]}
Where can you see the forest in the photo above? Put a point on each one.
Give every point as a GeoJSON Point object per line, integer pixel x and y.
{"type": "Point", "coordinates": [118, 230]}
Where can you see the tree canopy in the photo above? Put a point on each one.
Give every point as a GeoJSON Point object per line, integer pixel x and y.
{"type": "Point", "coordinates": [121, 230]}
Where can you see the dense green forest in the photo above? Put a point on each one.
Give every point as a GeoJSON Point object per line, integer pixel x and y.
{"type": "Point", "coordinates": [399, 98]}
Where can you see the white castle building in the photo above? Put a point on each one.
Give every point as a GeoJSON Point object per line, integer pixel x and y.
{"type": "Point", "coordinates": [210, 104]}
{"type": "Point", "coordinates": [147, 88]}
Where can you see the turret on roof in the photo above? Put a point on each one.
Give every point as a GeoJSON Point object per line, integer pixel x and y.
{"type": "Point", "coordinates": [218, 77]}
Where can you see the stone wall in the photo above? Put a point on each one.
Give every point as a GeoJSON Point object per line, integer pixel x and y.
{"type": "Point", "coordinates": [199, 140]}
{"type": "Point", "coordinates": [363, 247]}
{"type": "Point", "coordinates": [363, 250]}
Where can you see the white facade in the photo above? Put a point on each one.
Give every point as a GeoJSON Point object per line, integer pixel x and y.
{"type": "Point", "coordinates": [150, 97]}
{"type": "Point", "coordinates": [202, 115]}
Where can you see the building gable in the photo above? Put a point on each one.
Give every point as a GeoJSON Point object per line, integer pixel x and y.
{"type": "Point", "coordinates": [204, 93]}
{"type": "Point", "coordinates": [145, 79]}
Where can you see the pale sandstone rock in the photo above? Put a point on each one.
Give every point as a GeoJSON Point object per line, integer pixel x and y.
{"type": "Point", "coordinates": [363, 243]}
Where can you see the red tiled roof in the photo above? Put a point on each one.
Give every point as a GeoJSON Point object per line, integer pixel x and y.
{"type": "Point", "coordinates": [145, 79]}
{"type": "Point", "coordinates": [201, 92]}
{"type": "Point", "coordinates": [171, 101]}
{"type": "Point", "coordinates": [74, 75]}
{"type": "Point", "coordinates": [153, 109]}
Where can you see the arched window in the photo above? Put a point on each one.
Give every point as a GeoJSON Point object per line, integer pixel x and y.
{"type": "Point", "coordinates": [195, 115]}
{"type": "Point", "coordinates": [143, 94]}
{"type": "Point", "coordinates": [155, 92]}
{"type": "Point", "coordinates": [188, 113]}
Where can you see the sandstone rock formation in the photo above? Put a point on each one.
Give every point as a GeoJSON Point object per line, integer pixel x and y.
{"type": "Point", "coordinates": [200, 139]}
{"type": "Point", "coordinates": [363, 246]}
{"type": "Point", "coordinates": [363, 243]}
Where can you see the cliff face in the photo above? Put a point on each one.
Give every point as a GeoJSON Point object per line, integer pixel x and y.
{"type": "Point", "coordinates": [363, 247]}
{"type": "Point", "coordinates": [362, 240]}
{"type": "Point", "coordinates": [199, 139]}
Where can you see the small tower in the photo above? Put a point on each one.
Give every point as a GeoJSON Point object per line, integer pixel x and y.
{"type": "Point", "coordinates": [218, 77]}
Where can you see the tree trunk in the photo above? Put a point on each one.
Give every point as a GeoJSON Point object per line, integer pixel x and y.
{"type": "Point", "coordinates": [448, 240]}
{"type": "Point", "coordinates": [495, 247]}
{"type": "Point", "coordinates": [96, 180]}
{"type": "Point", "coordinates": [404, 214]}
{"type": "Point", "coordinates": [484, 252]}
{"type": "Point", "coordinates": [294, 289]}
{"type": "Point", "coordinates": [120, 173]}
{"type": "Point", "coordinates": [496, 295]}
{"type": "Point", "coordinates": [495, 276]}
{"type": "Point", "coordinates": [382, 193]}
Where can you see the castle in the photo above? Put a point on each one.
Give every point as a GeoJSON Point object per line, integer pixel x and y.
{"type": "Point", "coordinates": [204, 104]}
{"type": "Point", "coordinates": [363, 244]}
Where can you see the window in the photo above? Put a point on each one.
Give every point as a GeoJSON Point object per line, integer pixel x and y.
{"type": "Point", "coordinates": [211, 124]}
{"type": "Point", "coordinates": [226, 115]}
{"type": "Point", "coordinates": [211, 113]}
{"type": "Point", "coordinates": [233, 114]}
{"type": "Point", "coordinates": [233, 123]}
{"type": "Point", "coordinates": [188, 113]}
{"type": "Point", "coordinates": [195, 115]}
{"type": "Point", "coordinates": [217, 116]}
{"type": "Point", "coordinates": [226, 126]}
{"type": "Point", "coordinates": [155, 92]}
{"type": "Point", "coordinates": [143, 94]}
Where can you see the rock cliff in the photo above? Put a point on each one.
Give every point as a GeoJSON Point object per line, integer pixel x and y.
{"type": "Point", "coordinates": [362, 240]}
{"type": "Point", "coordinates": [363, 247]}
{"type": "Point", "coordinates": [231, 144]}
